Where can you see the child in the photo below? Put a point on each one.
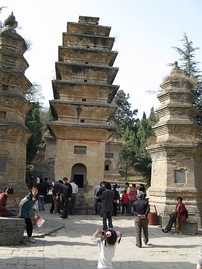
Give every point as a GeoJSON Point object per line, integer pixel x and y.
{"type": "Point", "coordinates": [125, 202]}
{"type": "Point", "coordinates": [26, 204]}
{"type": "Point", "coordinates": [106, 246]}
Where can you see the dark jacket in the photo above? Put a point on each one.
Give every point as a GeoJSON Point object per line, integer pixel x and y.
{"type": "Point", "coordinates": [66, 190]}
{"type": "Point", "coordinates": [41, 189]}
{"type": "Point", "coordinates": [107, 200]}
{"type": "Point", "coordinates": [140, 207]}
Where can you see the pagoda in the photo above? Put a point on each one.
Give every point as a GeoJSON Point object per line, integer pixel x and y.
{"type": "Point", "coordinates": [14, 134]}
{"type": "Point", "coordinates": [82, 105]}
{"type": "Point", "coordinates": [176, 152]}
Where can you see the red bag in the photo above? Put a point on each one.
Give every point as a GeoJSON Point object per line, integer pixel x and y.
{"type": "Point", "coordinates": [39, 221]}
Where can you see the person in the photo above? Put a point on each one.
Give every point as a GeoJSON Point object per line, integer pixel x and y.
{"type": "Point", "coordinates": [119, 191]}
{"type": "Point", "coordinates": [142, 188]}
{"type": "Point", "coordinates": [4, 212]}
{"type": "Point", "coordinates": [116, 200]}
{"type": "Point", "coordinates": [42, 193]}
{"type": "Point", "coordinates": [26, 204]}
{"type": "Point", "coordinates": [141, 210]}
{"type": "Point", "coordinates": [99, 194]}
{"type": "Point", "coordinates": [125, 202]}
{"type": "Point", "coordinates": [47, 186]}
{"type": "Point", "coordinates": [55, 205]}
{"type": "Point", "coordinates": [106, 245]}
{"type": "Point", "coordinates": [178, 215]}
{"type": "Point", "coordinates": [66, 192]}
{"type": "Point", "coordinates": [132, 196]}
{"type": "Point", "coordinates": [75, 191]}
{"type": "Point", "coordinates": [127, 188]}
{"type": "Point", "coordinates": [107, 206]}
{"type": "Point", "coordinates": [97, 201]}
{"type": "Point", "coordinates": [199, 262]}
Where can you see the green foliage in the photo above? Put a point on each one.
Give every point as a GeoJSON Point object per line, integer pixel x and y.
{"type": "Point", "coordinates": [46, 116]}
{"type": "Point", "coordinates": [33, 122]}
{"type": "Point", "coordinates": [190, 68]}
{"type": "Point", "coordinates": [124, 117]}
{"type": "Point", "coordinates": [134, 153]}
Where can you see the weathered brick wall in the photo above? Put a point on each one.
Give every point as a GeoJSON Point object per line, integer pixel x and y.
{"type": "Point", "coordinates": [11, 231]}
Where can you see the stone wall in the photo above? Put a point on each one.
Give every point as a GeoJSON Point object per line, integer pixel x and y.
{"type": "Point", "coordinates": [11, 230]}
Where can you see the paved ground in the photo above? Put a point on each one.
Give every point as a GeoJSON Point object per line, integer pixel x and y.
{"type": "Point", "coordinates": [67, 244]}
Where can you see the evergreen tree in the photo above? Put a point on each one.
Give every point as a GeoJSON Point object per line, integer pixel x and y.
{"type": "Point", "coordinates": [127, 153]}
{"type": "Point", "coordinates": [134, 153]}
{"type": "Point", "coordinates": [143, 159]}
{"type": "Point", "coordinates": [124, 116]}
{"type": "Point", "coordinates": [189, 66]}
{"type": "Point", "coordinates": [33, 120]}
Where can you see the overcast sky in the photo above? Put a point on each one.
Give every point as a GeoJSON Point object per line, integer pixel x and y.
{"type": "Point", "coordinates": [145, 32]}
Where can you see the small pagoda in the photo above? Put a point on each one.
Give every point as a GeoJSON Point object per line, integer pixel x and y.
{"type": "Point", "coordinates": [82, 107]}
{"type": "Point", "coordinates": [14, 134]}
{"type": "Point", "coordinates": [176, 152]}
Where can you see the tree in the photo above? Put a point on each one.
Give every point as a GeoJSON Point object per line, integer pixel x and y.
{"type": "Point", "coordinates": [124, 116]}
{"type": "Point", "coordinates": [34, 94]}
{"type": "Point", "coordinates": [134, 153]}
{"type": "Point", "coordinates": [127, 153]}
{"type": "Point", "coordinates": [143, 159]}
{"type": "Point", "coordinates": [33, 121]}
{"type": "Point", "coordinates": [189, 66]}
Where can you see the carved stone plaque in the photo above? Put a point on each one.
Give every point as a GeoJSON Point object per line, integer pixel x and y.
{"type": "Point", "coordinates": [2, 164]}
{"type": "Point", "coordinates": [179, 176]}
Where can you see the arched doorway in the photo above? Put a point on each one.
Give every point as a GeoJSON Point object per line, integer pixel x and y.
{"type": "Point", "coordinates": [79, 173]}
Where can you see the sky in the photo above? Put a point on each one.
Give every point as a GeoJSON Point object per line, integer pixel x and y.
{"type": "Point", "coordinates": [145, 33]}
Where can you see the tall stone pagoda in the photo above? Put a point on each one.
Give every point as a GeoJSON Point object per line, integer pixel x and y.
{"type": "Point", "coordinates": [83, 93]}
{"type": "Point", "coordinates": [176, 153]}
{"type": "Point", "coordinates": [13, 109]}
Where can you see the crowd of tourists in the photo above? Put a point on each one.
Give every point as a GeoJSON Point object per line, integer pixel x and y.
{"type": "Point", "coordinates": [108, 201]}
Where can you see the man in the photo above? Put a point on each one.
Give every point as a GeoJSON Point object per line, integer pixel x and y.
{"type": "Point", "coordinates": [55, 206]}
{"type": "Point", "coordinates": [97, 201]}
{"type": "Point", "coordinates": [75, 191]}
{"type": "Point", "coordinates": [99, 195]}
{"type": "Point", "coordinates": [42, 191]}
{"type": "Point", "coordinates": [179, 215]}
{"type": "Point", "coordinates": [107, 206]}
{"type": "Point", "coordinates": [141, 210]}
{"type": "Point", "coordinates": [66, 192]}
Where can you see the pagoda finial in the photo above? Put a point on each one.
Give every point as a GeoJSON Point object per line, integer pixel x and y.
{"type": "Point", "coordinates": [10, 21]}
{"type": "Point", "coordinates": [176, 68]}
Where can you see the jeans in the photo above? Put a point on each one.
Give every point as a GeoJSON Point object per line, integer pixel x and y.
{"type": "Point", "coordinates": [65, 202]}
{"type": "Point", "coordinates": [72, 204]}
{"type": "Point", "coordinates": [97, 206]}
{"type": "Point", "coordinates": [41, 202]}
{"type": "Point", "coordinates": [107, 215]}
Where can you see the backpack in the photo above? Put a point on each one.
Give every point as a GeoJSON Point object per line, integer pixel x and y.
{"type": "Point", "coordinates": [186, 213]}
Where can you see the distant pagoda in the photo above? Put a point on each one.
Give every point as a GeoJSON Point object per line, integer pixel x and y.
{"type": "Point", "coordinates": [176, 153]}
{"type": "Point", "coordinates": [83, 93]}
{"type": "Point", "coordinates": [13, 109]}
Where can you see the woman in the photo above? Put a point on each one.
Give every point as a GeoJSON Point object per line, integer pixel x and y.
{"type": "Point", "coordinates": [26, 204]}
{"type": "Point", "coordinates": [4, 212]}
{"type": "Point", "coordinates": [142, 188]}
{"type": "Point", "coordinates": [177, 216]}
